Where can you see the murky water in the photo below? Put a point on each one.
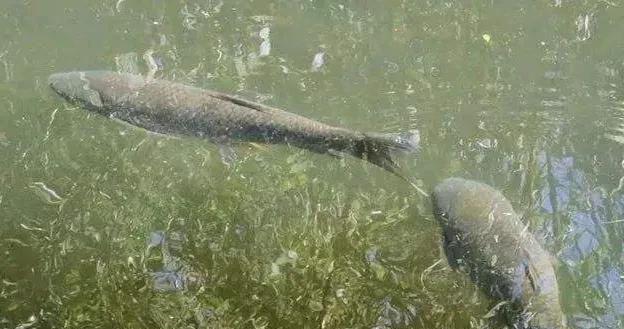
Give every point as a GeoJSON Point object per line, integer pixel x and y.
{"type": "Point", "coordinates": [103, 225]}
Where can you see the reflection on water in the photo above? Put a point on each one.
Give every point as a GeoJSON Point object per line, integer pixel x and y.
{"type": "Point", "coordinates": [526, 96]}
{"type": "Point", "coordinates": [586, 214]}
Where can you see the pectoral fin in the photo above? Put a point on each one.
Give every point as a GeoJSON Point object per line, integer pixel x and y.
{"type": "Point", "coordinates": [520, 277]}
{"type": "Point", "coordinates": [259, 146]}
{"type": "Point", "coordinates": [227, 153]}
{"type": "Point", "coordinates": [336, 154]}
{"type": "Point", "coordinates": [524, 280]}
{"type": "Point", "coordinates": [92, 98]}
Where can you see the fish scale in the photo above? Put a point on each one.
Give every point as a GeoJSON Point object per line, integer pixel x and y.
{"type": "Point", "coordinates": [194, 108]}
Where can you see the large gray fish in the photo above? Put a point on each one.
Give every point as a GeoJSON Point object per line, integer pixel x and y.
{"type": "Point", "coordinates": [173, 108]}
{"type": "Point", "coordinates": [486, 238]}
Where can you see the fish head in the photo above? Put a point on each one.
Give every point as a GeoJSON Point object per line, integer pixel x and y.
{"type": "Point", "coordinates": [98, 91]}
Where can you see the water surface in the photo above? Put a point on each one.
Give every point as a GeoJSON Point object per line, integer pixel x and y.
{"type": "Point", "coordinates": [102, 225]}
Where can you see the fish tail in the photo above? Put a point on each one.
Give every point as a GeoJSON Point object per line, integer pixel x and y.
{"type": "Point", "coordinates": [378, 148]}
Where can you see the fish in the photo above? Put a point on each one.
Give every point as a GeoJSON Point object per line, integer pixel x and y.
{"type": "Point", "coordinates": [485, 238]}
{"type": "Point", "coordinates": [172, 108]}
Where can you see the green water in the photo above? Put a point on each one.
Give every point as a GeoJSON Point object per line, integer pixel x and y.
{"type": "Point", "coordinates": [527, 96]}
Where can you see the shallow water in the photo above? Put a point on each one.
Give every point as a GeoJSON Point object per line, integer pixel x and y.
{"type": "Point", "coordinates": [527, 96]}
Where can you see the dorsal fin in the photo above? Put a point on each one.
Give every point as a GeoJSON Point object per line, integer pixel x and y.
{"type": "Point", "coordinates": [531, 275]}
{"type": "Point", "coordinates": [519, 280]}
{"type": "Point", "coordinates": [525, 279]}
{"type": "Point", "coordinates": [243, 102]}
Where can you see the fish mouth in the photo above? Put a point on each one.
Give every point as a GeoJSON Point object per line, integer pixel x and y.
{"type": "Point", "coordinates": [75, 87]}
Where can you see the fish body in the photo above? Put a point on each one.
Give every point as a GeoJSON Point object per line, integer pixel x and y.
{"type": "Point", "coordinates": [484, 237]}
{"type": "Point", "coordinates": [176, 109]}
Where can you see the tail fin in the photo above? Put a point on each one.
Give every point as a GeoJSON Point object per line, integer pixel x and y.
{"type": "Point", "coordinates": [377, 148]}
